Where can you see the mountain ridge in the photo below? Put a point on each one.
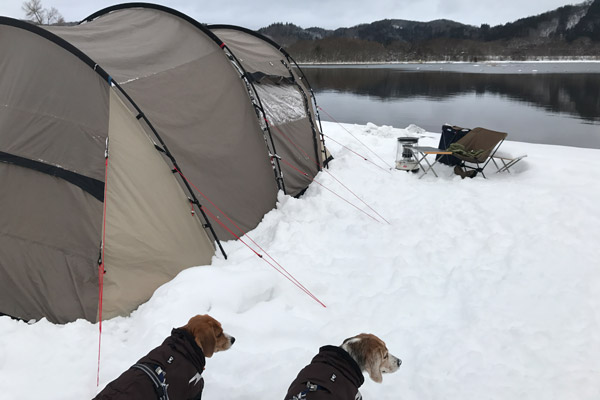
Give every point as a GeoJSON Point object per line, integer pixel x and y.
{"type": "Point", "coordinates": [569, 31]}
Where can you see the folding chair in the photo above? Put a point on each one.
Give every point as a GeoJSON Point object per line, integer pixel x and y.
{"type": "Point", "coordinates": [479, 145]}
{"type": "Point", "coordinates": [507, 162]}
{"type": "Point", "coordinates": [450, 134]}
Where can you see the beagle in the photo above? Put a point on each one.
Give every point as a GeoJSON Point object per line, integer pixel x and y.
{"type": "Point", "coordinates": [174, 369]}
{"type": "Point", "coordinates": [337, 372]}
{"type": "Point", "coordinates": [208, 334]}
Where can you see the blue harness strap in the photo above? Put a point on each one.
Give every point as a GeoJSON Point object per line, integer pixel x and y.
{"type": "Point", "coordinates": [158, 378]}
{"type": "Point", "coordinates": [310, 387]}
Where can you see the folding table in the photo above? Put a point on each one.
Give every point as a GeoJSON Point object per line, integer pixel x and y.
{"type": "Point", "coordinates": [421, 154]}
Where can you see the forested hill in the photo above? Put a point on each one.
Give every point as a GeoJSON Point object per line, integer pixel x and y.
{"type": "Point", "coordinates": [568, 32]}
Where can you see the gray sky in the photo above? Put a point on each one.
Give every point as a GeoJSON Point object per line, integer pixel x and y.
{"type": "Point", "coordinates": [330, 14]}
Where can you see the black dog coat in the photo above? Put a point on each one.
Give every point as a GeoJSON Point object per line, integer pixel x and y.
{"type": "Point", "coordinates": [331, 375]}
{"type": "Point", "coordinates": [178, 356]}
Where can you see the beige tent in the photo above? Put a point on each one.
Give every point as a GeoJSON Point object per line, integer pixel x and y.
{"type": "Point", "coordinates": [131, 144]}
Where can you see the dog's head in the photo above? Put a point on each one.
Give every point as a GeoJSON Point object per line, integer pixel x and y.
{"type": "Point", "coordinates": [208, 334]}
{"type": "Point", "coordinates": [371, 355]}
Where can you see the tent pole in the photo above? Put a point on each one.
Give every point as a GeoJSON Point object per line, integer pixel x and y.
{"type": "Point", "coordinates": [310, 118]}
{"type": "Point", "coordinates": [314, 99]}
{"type": "Point", "coordinates": [259, 109]}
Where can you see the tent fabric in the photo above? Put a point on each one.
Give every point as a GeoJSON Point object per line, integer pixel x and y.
{"type": "Point", "coordinates": [137, 42]}
{"type": "Point", "coordinates": [98, 120]}
{"type": "Point", "coordinates": [147, 213]}
{"type": "Point", "coordinates": [252, 50]}
{"type": "Point", "coordinates": [53, 112]}
{"type": "Point", "coordinates": [301, 153]}
{"type": "Point", "coordinates": [66, 129]}
{"type": "Point", "coordinates": [209, 125]}
{"type": "Point", "coordinates": [193, 97]}
{"type": "Point", "coordinates": [50, 234]}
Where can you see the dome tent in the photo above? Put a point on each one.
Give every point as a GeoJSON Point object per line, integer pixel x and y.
{"type": "Point", "coordinates": [112, 133]}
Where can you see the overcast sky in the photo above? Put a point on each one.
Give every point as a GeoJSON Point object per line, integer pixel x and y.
{"type": "Point", "coordinates": [328, 14]}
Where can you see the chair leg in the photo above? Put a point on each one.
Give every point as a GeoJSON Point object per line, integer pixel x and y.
{"type": "Point", "coordinates": [479, 169]}
{"type": "Point", "coordinates": [505, 166]}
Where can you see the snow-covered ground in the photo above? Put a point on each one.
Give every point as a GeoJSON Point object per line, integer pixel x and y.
{"type": "Point", "coordinates": [486, 289]}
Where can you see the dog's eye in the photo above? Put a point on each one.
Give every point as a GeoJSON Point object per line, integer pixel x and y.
{"type": "Point", "coordinates": [386, 356]}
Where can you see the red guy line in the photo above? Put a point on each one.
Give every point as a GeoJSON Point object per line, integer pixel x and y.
{"type": "Point", "coordinates": [101, 272]}
{"type": "Point", "coordinates": [290, 277]}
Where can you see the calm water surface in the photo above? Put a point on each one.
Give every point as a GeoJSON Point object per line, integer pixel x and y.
{"type": "Point", "coordinates": [551, 103]}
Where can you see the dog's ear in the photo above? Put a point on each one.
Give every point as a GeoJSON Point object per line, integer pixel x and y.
{"type": "Point", "coordinates": [207, 340]}
{"type": "Point", "coordinates": [202, 327]}
{"type": "Point", "coordinates": [368, 352]}
{"type": "Point", "coordinates": [373, 362]}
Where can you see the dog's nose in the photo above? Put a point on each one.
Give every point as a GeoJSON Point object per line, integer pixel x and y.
{"type": "Point", "coordinates": [232, 340]}
{"type": "Point", "coordinates": [399, 362]}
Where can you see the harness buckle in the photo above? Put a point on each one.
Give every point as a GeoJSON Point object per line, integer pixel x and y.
{"type": "Point", "coordinates": [161, 374]}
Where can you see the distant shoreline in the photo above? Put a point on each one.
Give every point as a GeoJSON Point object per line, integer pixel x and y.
{"type": "Point", "coordinates": [484, 67]}
{"type": "Point", "coordinates": [544, 61]}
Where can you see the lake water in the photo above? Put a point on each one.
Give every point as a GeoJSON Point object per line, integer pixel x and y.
{"type": "Point", "coordinates": [551, 103]}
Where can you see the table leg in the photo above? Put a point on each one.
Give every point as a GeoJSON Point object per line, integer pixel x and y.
{"type": "Point", "coordinates": [429, 168]}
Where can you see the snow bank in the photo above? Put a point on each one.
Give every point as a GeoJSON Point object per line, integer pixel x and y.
{"type": "Point", "coordinates": [486, 289]}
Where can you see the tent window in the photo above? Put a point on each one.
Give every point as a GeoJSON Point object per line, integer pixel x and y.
{"type": "Point", "coordinates": [282, 103]}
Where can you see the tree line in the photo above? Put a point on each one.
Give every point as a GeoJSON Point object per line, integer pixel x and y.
{"type": "Point", "coordinates": [38, 14]}
{"type": "Point", "coordinates": [568, 32]}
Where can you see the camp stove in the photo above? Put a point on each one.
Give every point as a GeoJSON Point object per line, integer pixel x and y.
{"type": "Point", "coordinates": [405, 157]}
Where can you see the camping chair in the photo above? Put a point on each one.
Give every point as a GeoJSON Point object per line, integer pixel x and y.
{"type": "Point", "coordinates": [450, 134]}
{"type": "Point", "coordinates": [476, 147]}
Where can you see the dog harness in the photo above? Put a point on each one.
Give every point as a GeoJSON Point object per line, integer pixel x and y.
{"type": "Point", "coordinates": [332, 375]}
{"type": "Point", "coordinates": [179, 358]}
{"type": "Point", "coordinates": [158, 378]}
{"type": "Point", "coordinates": [310, 387]}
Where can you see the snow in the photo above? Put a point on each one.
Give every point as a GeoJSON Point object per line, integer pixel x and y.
{"type": "Point", "coordinates": [486, 289]}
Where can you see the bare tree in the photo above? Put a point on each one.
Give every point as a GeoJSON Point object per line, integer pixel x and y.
{"type": "Point", "coordinates": [34, 10]}
{"type": "Point", "coordinates": [54, 17]}
{"type": "Point", "coordinates": [38, 14]}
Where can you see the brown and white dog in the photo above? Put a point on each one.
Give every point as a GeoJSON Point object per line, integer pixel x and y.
{"type": "Point", "coordinates": [174, 369]}
{"type": "Point", "coordinates": [337, 372]}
